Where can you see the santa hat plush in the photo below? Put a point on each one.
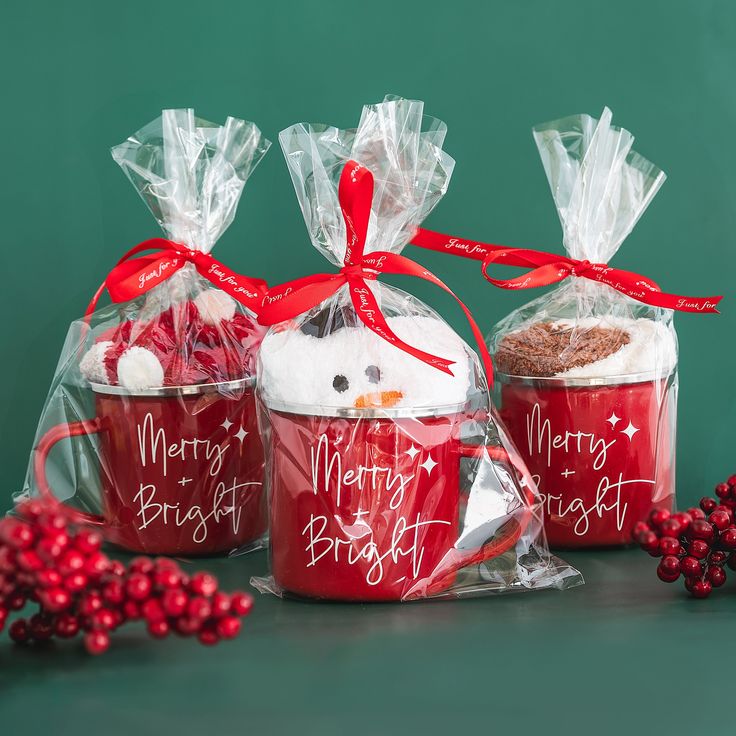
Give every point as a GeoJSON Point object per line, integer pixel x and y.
{"type": "Point", "coordinates": [203, 340]}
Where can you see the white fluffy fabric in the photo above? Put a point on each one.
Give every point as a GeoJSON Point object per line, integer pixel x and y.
{"type": "Point", "coordinates": [652, 348]}
{"type": "Point", "coordinates": [92, 364]}
{"type": "Point", "coordinates": [300, 369]}
{"type": "Point", "coordinates": [214, 306]}
{"type": "Point", "coordinates": [138, 369]}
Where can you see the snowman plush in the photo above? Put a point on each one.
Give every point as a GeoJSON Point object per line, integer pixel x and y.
{"type": "Point", "coordinates": [349, 366]}
{"type": "Point", "coordinates": [206, 339]}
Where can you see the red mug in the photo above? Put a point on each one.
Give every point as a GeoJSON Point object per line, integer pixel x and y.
{"type": "Point", "coordinates": [366, 506]}
{"type": "Point", "coordinates": [601, 452]}
{"type": "Point", "coordinates": [181, 469]}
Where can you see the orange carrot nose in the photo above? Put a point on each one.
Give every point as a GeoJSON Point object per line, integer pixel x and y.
{"type": "Point", "coordinates": [378, 400]}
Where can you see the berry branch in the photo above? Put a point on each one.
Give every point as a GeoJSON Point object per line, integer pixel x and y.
{"type": "Point", "coordinates": [47, 559]}
{"type": "Point", "coordinates": [696, 544]}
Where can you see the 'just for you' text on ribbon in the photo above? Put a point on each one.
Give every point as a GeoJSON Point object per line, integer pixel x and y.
{"type": "Point", "coordinates": [136, 274]}
{"type": "Point", "coordinates": [550, 268]}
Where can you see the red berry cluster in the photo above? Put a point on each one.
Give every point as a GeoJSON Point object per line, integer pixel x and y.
{"type": "Point", "coordinates": [697, 544]}
{"type": "Point", "coordinates": [46, 559]}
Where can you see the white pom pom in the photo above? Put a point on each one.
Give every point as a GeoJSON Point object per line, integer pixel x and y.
{"type": "Point", "coordinates": [92, 364]}
{"type": "Point", "coordinates": [139, 368]}
{"type": "Point", "coordinates": [214, 306]}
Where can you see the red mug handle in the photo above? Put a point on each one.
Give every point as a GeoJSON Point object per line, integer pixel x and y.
{"type": "Point", "coordinates": [41, 453]}
{"type": "Point", "coordinates": [456, 559]}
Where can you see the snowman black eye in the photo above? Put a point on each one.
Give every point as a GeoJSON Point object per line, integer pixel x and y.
{"type": "Point", "coordinates": [374, 373]}
{"type": "Point", "coordinates": [340, 384]}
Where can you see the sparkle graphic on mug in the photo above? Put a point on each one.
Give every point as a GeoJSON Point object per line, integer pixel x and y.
{"type": "Point", "coordinates": [412, 452]}
{"type": "Point", "coordinates": [630, 431]}
{"type": "Point", "coordinates": [359, 514]}
{"type": "Point", "coordinates": [429, 464]}
{"type": "Point", "coordinates": [600, 494]}
{"type": "Point", "coordinates": [226, 424]}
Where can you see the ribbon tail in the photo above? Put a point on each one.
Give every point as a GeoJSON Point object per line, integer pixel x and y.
{"type": "Point", "coordinates": [647, 292]}
{"type": "Point", "coordinates": [368, 311]}
{"type": "Point", "coordinates": [477, 251]}
{"type": "Point", "coordinates": [430, 240]}
{"type": "Point", "coordinates": [93, 303]}
{"type": "Point", "coordinates": [293, 298]}
{"type": "Point", "coordinates": [695, 304]}
{"type": "Point", "coordinates": [401, 265]}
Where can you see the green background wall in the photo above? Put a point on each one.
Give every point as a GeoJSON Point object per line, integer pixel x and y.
{"type": "Point", "coordinates": [80, 77]}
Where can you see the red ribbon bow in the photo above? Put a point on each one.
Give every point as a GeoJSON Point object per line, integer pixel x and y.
{"type": "Point", "coordinates": [287, 301]}
{"type": "Point", "coordinates": [132, 277]}
{"type": "Point", "coordinates": [550, 268]}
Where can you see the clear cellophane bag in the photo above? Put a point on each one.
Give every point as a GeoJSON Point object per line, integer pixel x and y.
{"type": "Point", "coordinates": [587, 360]}
{"type": "Point", "coordinates": [387, 478]}
{"type": "Point", "coordinates": [139, 432]}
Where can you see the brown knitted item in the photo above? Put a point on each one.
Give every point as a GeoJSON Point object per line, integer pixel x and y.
{"type": "Point", "coordinates": [545, 350]}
